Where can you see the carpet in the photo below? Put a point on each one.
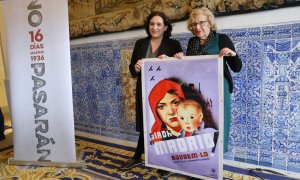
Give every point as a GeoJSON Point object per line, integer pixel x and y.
{"type": "Point", "coordinates": [102, 161]}
{"type": "Point", "coordinates": [106, 158]}
{"type": "Point", "coordinates": [12, 172]}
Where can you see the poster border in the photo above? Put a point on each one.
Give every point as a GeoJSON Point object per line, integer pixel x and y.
{"type": "Point", "coordinates": [220, 103]}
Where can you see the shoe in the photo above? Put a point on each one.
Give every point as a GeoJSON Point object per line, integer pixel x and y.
{"type": "Point", "coordinates": [163, 173]}
{"type": "Point", "coordinates": [130, 163]}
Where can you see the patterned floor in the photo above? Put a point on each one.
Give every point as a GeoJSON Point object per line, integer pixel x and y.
{"type": "Point", "coordinates": [102, 161]}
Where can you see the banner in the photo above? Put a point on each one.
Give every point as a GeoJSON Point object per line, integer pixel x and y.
{"type": "Point", "coordinates": [39, 74]}
{"type": "Point", "coordinates": [183, 115]}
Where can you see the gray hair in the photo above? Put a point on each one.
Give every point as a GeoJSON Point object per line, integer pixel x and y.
{"type": "Point", "coordinates": [206, 12]}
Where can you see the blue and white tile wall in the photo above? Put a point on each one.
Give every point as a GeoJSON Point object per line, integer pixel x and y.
{"type": "Point", "coordinates": [266, 104]}
{"type": "Point", "coordinates": [265, 127]}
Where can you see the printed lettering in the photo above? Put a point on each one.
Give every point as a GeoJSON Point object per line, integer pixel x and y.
{"type": "Point", "coordinates": [39, 96]}
{"type": "Point", "coordinates": [34, 17]}
{"type": "Point", "coordinates": [39, 111]}
{"type": "Point", "coordinates": [192, 143]}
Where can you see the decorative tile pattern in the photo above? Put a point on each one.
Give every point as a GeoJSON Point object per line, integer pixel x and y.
{"type": "Point", "coordinates": [128, 84]}
{"type": "Point", "coordinates": [98, 97]}
{"type": "Point", "coordinates": [266, 99]}
{"type": "Point", "coordinates": [265, 104]}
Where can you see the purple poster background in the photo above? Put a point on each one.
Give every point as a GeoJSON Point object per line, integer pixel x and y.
{"type": "Point", "coordinates": [198, 155]}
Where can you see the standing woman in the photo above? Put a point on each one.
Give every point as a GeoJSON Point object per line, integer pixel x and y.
{"type": "Point", "coordinates": [207, 41]}
{"type": "Point", "coordinates": [157, 45]}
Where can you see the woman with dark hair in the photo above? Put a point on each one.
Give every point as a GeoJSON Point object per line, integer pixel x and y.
{"type": "Point", "coordinates": [157, 44]}
{"type": "Point", "coordinates": [167, 23]}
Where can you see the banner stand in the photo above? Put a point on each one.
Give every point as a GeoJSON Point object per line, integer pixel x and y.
{"type": "Point", "coordinates": [40, 83]}
{"type": "Point", "coordinates": [78, 164]}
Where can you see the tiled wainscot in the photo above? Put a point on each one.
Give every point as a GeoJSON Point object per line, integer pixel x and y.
{"type": "Point", "coordinates": [265, 127]}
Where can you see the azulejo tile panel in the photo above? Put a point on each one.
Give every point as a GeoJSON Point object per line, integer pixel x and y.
{"type": "Point", "coordinates": [265, 104]}
{"type": "Point", "coordinates": [270, 78]}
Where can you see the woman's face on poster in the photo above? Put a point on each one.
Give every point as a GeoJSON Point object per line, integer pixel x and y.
{"type": "Point", "coordinates": [166, 109]}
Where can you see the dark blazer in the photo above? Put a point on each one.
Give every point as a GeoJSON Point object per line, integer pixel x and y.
{"type": "Point", "coordinates": [168, 47]}
{"type": "Point", "coordinates": [233, 63]}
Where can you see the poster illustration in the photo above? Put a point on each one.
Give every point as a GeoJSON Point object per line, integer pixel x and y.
{"type": "Point", "coordinates": [183, 115]}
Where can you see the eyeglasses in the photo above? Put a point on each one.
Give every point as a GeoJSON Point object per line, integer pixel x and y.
{"type": "Point", "coordinates": [201, 23]}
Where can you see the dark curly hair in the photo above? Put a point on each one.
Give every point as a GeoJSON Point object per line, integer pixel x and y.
{"type": "Point", "coordinates": [166, 21]}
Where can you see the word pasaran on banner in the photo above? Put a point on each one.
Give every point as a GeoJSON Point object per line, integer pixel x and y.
{"type": "Point", "coordinates": [39, 96]}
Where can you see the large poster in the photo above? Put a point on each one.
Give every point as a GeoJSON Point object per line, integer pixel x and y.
{"type": "Point", "coordinates": [39, 74]}
{"type": "Point", "coordinates": [183, 117]}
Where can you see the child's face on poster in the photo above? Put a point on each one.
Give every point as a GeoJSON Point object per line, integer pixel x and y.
{"type": "Point", "coordinates": [189, 118]}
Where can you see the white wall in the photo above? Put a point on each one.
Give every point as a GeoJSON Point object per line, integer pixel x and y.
{"type": "Point", "coordinates": [283, 15]}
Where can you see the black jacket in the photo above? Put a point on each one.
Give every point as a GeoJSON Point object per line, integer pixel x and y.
{"type": "Point", "coordinates": [168, 47]}
{"type": "Point", "coordinates": [232, 62]}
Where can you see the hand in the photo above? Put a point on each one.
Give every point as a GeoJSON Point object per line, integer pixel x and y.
{"type": "Point", "coordinates": [138, 65]}
{"type": "Point", "coordinates": [162, 56]}
{"type": "Point", "coordinates": [227, 52]}
{"type": "Point", "coordinates": [179, 55]}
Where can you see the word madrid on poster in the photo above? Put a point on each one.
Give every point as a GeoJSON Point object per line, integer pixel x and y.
{"type": "Point", "coordinates": [40, 84]}
{"type": "Point", "coordinates": [183, 115]}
